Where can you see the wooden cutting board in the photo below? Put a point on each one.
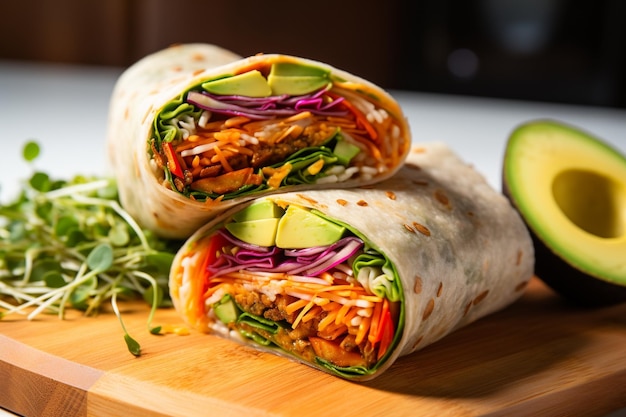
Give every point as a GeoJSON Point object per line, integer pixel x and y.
{"type": "Point", "coordinates": [537, 357]}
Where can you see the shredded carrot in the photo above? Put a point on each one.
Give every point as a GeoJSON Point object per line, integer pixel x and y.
{"type": "Point", "coordinates": [387, 333]}
{"type": "Point", "coordinates": [304, 310]}
{"type": "Point", "coordinates": [331, 306]}
{"type": "Point", "coordinates": [273, 135]}
{"type": "Point", "coordinates": [342, 122]}
{"type": "Point", "coordinates": [228, 135]}
{"type": "Point", "coordinates": [298, 116]}
{"type": "Point", "coordinates": [326, 321]}
{"type": "Point", "coordinates": [321, 301]}
{"type": "Point", "coordinates": [349, 316]}
{"type": "Point", "coordinates": [258, 125]}
{"type": "Point", "coordinates": [339, 288]}
{"type": "Point", "coordinates": [183, 146]}
{"type": "Point", "coordinates": [295, 131]}
{"type": "Point", "coordinates": [236, 121]}
{"type": "Point", "coordinates": [237, 149]}
{"type": "Point", "coordinates": [327, 277]}
{"type": "Point", "coordinates": [216, 125]}
{"type": "Point", "coordinates": [283, 134]}
{"type": "Point", "coordinates": [363, 328]}
{"type": "Point", "coordinates": [295, 306]}
{"type": "Point", "coordinates": [374, 328]}
{"type": "Point", "coordinates": [311, 314]}
{"type": "Point", "coordinates": [343, 293]}
{"type": "Point", "coordinates": [341, 314]}
{"type": "Point", "coordinates": [360, 119]}
{"type": "Point", "coordinates": [222, 159]}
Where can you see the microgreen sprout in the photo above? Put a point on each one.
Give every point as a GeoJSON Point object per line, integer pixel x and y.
{"type": "Point", "coordinates": [70, 244]}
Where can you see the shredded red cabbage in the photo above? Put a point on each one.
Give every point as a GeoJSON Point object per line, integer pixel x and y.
{"type": "Point", "coordinates": [334, 255]}
{"type": "Point", "coordinates": [259, 108]}
{"type": "Point", "coordinates": [310, 261]}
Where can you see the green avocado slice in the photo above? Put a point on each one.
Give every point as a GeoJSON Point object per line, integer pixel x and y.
{"type": "Point", "coordinates": [261, 232]}
{"type": "Point", "coordinates": [264, 209]}
{"type": "Point", "coordinates": [345, 151]}
{"type": "Point", "coordinates": [292, 69]}
{"type": "Point", "coordinates": [226, 310]}
{"type": "Point", "coordinates": [296, 79]}
{"type": "Point", "coordinates": [301, 228]}
{"type": "Point", "coordinates": [250, 84]}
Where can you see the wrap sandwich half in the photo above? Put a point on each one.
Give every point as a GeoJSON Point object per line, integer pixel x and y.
{"type": "Point", "coordinates": [194, 130]}
{"type": "Point", "coordinates": [349, 280]}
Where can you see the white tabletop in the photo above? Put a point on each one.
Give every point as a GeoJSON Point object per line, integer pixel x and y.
{"type": "Point", "coordinates": [65, 109]}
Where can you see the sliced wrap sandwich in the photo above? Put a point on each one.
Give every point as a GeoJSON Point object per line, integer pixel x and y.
{"type": "Point", "coordinates": [194, 130]}
{"type": "Point", "coordinates": [347, 281]}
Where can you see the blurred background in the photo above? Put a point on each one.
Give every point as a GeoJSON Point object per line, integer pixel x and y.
{"type": "Point", "coordinates": [543, 50]}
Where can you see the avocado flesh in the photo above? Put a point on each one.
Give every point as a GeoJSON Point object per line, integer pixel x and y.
{"type": "Point", "coordinates": [295, 79]}
{"type": "Point", "coordinates": [570, 189]}
{"type": "Point", "coordinates": [249, 84]}
{"type": "Point", "coordinates": [226, 310]}
{"type": "Point", "coordinates": [293, 69]}
{"type": "Point", "coordinates": [345, 151]}
{"type": "Point", "coordinates": [264, 209]}
{"type": "Point", "coordinates": [299, 228]}
{"type": "Point", "coordinates": [261, 232]}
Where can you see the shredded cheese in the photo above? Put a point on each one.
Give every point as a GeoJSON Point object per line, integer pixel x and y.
{"type": "Point", "coordinates": [315, 167]}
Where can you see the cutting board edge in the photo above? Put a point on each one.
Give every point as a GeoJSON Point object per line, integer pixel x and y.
{"type": "Point", "coordinates": [114, 394]}
{"type": "Point", "coordinates": [49, 385]}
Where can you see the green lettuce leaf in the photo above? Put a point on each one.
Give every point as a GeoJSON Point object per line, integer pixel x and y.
{"type": "Point", "coordinates": [164, 130]}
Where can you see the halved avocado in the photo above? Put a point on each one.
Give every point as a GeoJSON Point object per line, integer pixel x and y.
{"type": "Point", "coordinates": [570, 189]}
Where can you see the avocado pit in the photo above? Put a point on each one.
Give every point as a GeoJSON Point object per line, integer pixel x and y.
{"type": "Point", "coordinates": [593, 202]}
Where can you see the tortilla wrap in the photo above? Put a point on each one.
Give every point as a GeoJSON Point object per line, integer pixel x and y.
{"type": "Point", "coordinates": [195, 129]}
{"type": "Point", "coordinates": [441, 248]}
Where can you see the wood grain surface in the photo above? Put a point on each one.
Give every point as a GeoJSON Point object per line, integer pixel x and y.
{"type": "Point", "coordinates": [537, 357]}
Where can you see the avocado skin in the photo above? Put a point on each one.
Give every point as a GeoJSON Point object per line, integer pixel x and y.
{"type": "Point", "coordinates": [575, 286]}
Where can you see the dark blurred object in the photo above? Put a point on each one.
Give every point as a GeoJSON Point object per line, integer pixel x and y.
{"type": "Point", "coordinates": [359, 36]}
{"type": "Point", "coordinates": [546, 50]}
{"type": "Point", "coordinates": [73, 31]}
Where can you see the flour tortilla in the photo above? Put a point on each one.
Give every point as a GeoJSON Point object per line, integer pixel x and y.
{"type": "Point", "coordinates": [460, 251]}
{"type": "Point", "coordinates": [148, 86]}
